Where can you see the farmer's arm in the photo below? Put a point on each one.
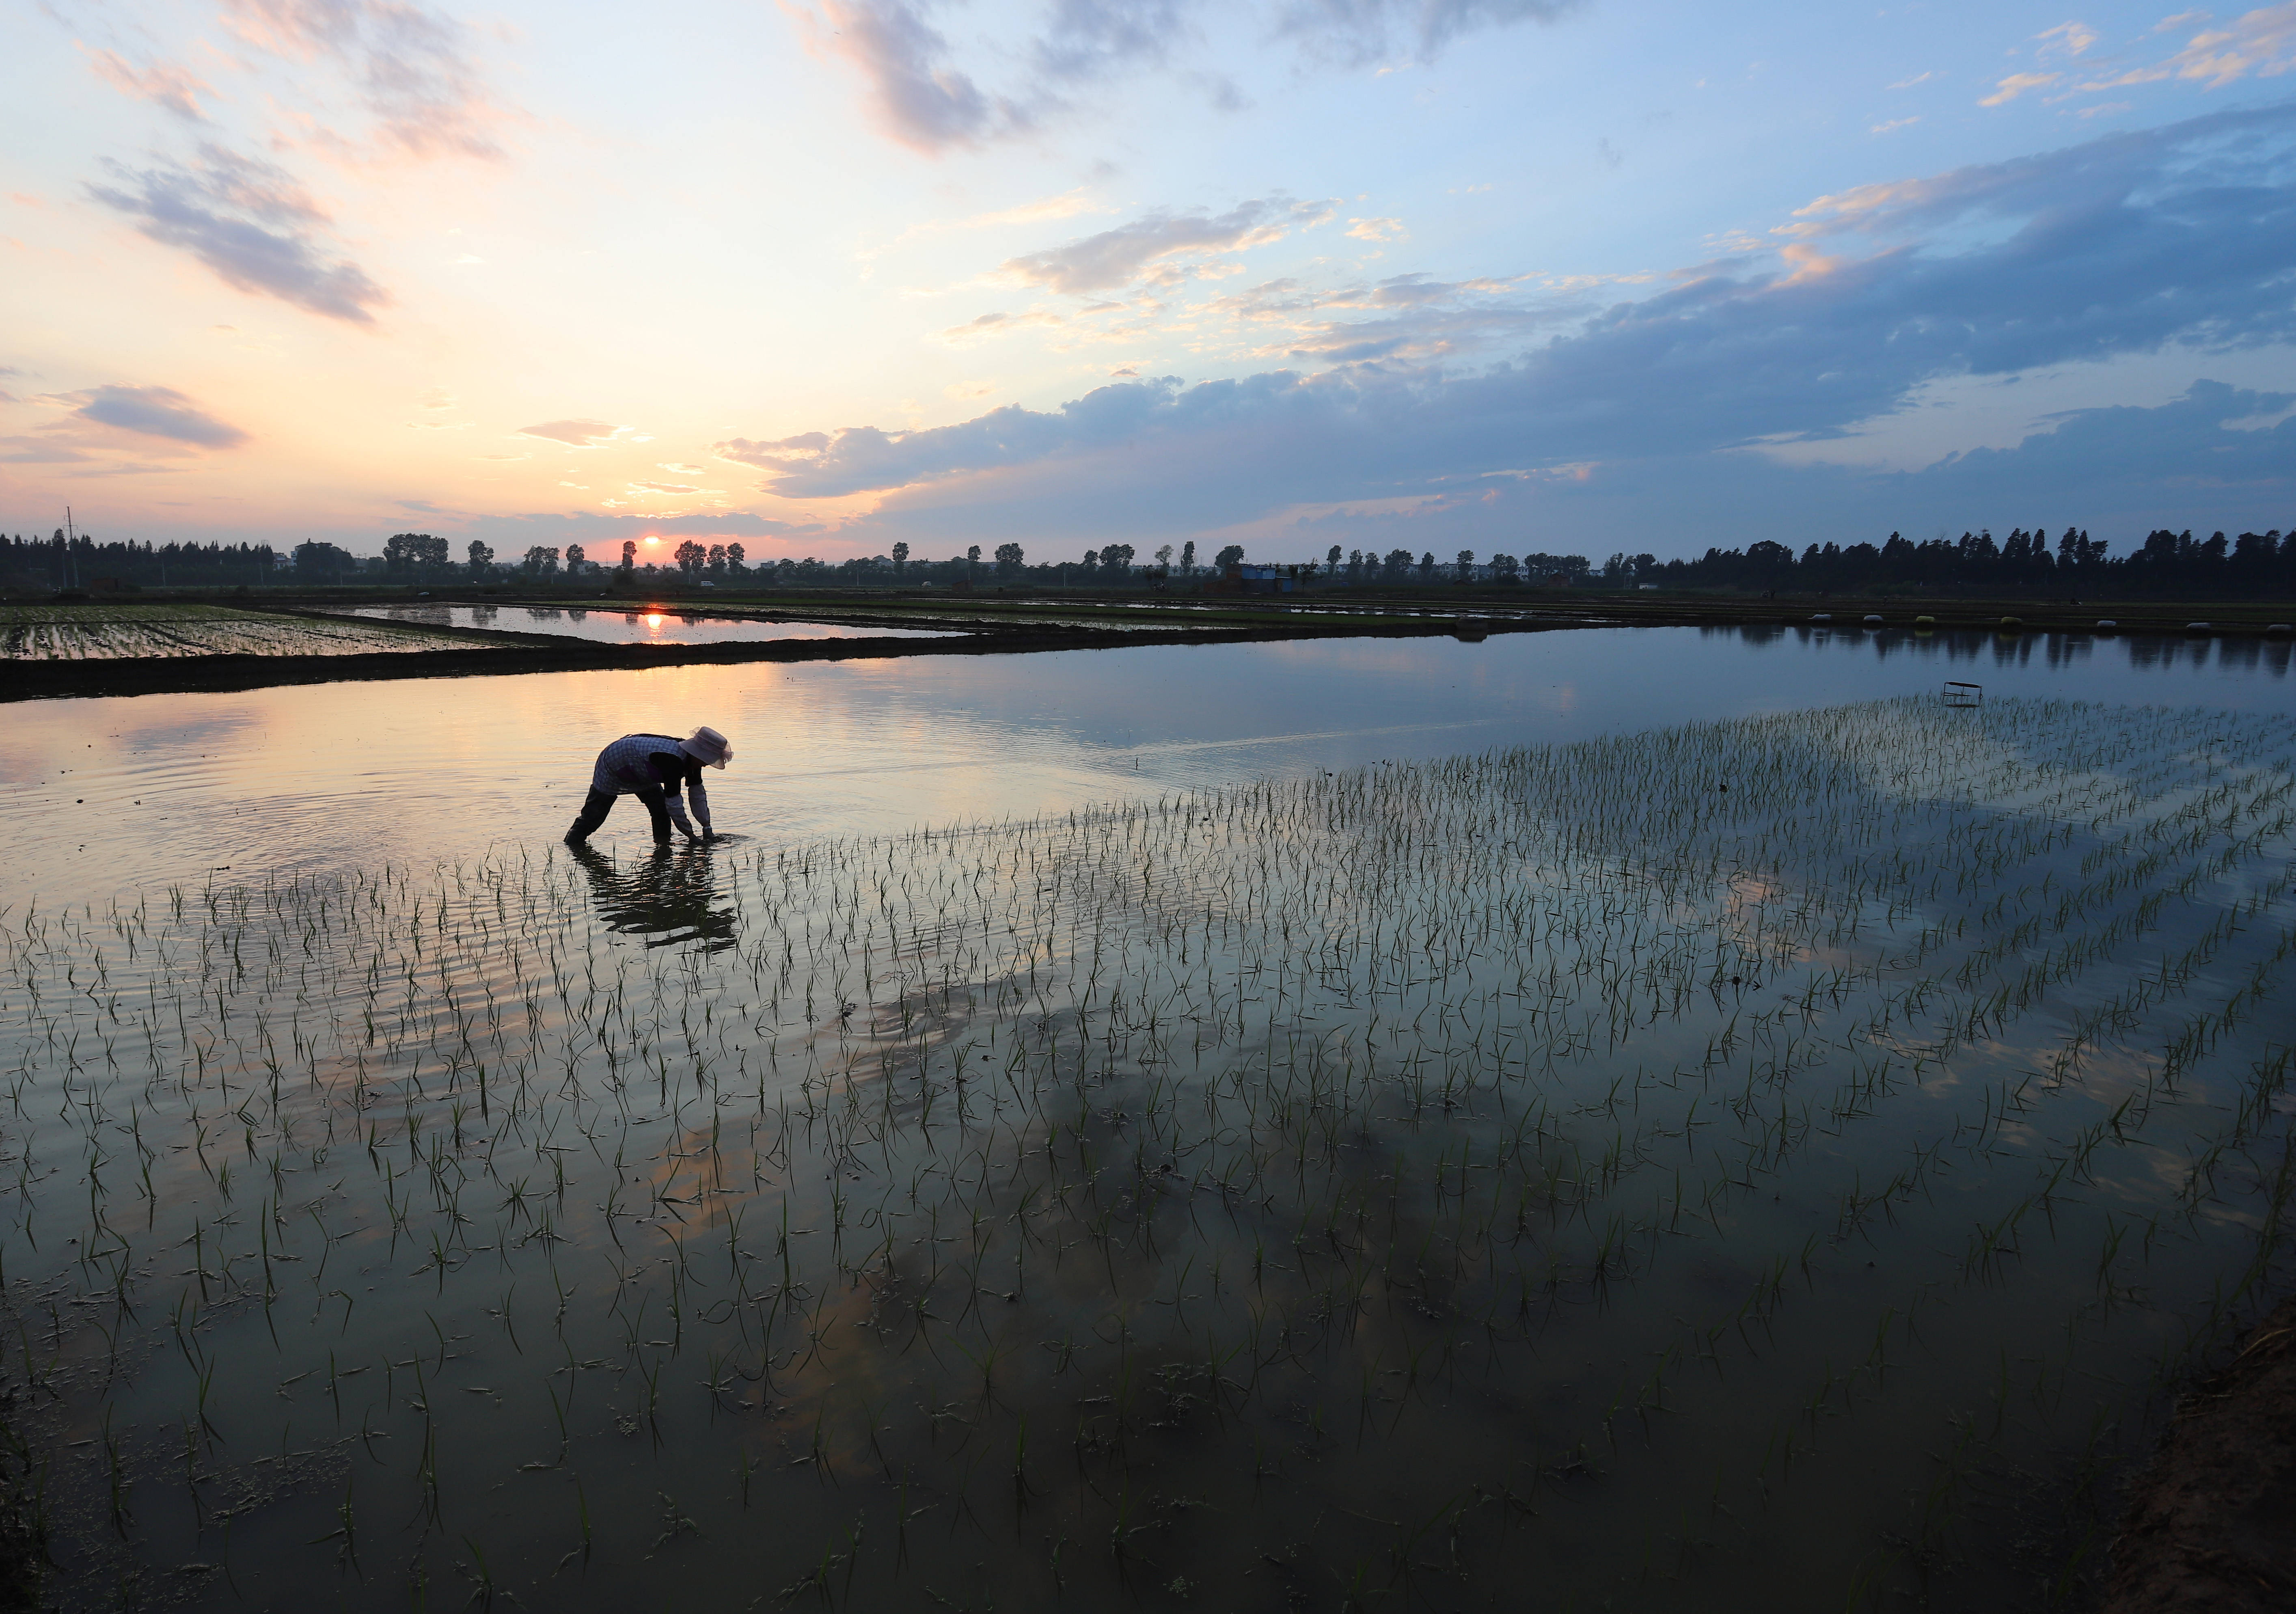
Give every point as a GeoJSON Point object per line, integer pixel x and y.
{"type": "Point", "coordinates": [701, 796]}
{"type": "Point", "coordinates": [670, 773]}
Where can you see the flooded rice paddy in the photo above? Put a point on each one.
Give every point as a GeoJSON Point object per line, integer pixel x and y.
{"type": "Point", "coordinates": [630, 627]}
{"type": "Point", "coordinates": [1734, 1161]}
{"type": "Point", "coordinates": [103, 633]}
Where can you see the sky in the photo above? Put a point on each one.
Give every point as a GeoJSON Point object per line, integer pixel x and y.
{"type": "Point", "coordinates": [822, 276]}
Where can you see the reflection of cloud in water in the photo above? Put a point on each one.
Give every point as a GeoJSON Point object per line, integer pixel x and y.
{"type": "Point", "coordinates": [668, 898]}
{"type": "Point", "coordinates": [81, 733]}
{"type": "Point", "coordinates": [191, 734]}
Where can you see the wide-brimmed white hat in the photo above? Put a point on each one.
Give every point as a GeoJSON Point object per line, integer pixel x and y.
{"type": "Point", "coordinates": [707, 745]}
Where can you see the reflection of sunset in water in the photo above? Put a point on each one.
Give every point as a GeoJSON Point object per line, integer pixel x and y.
{"type": "Point", "coordinates": [646, 625]}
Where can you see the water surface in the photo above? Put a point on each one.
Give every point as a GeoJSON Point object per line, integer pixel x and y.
{"type": "Point", "coordinates": [1717, 1168]}
{"type": "Point", "coordinates": [641, 626]}
{"type": "Point", "coordinates": [105, 794]}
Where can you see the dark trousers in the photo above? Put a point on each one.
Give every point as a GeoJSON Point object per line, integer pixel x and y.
{"type": "Point", "coordinates": [597, 804]}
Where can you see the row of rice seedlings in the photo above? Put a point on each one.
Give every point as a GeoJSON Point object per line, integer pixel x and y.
{"type": "Point", "coordinates": [1529, 1155]}
{"type": "Point", "coordinates": [111, 636]}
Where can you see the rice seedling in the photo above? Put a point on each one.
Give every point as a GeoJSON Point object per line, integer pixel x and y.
{"type": "Point", "coordinates": [1542, 1167]}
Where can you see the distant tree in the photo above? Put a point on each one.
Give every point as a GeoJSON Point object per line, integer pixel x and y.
{"type": "Point", "coordinates": [1091, 562]}
{"type": "Point", "coordinates": [574, 561]}
{"type": "Point", "coordinates": [1116, 560]}
{"type": "Point", "coordinates": [316, 562]}
{"type": "Point", "coordinates": [900, 558]}
{"type": "Point", "coordinates": [1503, 568]}
{"type": "Point", "coordinates": [691, 557]}
{"type": "Point", "coordinates": [1188, 559]}
{"type": "Point", "coordinates": [1396, 566]}
{"type": "Point", "coordinates": [1427, 566]}
{"type": "Point", "coordinates": [482, 559]}
{"type": "Point", "coordinates": [1008, 560]}
{"type": "Point", "coordinates": [629, 554]}
{"type": "Point", "coordinates": [1332, 560]}
{"type": "Point", "coordinates": [1164, 556]}
{"type": "Point", "coordinates": [1232, 555]}
{"type": "Point", "coordinates": [737, 559]}
{"type": "Point", "coordinates": [716, 560]}
{"type": "Point", "coordinates": [413, 553]}
{"type": "Point", "coordinates": [972, 557]}
{"type": "Point", "coordinates": [1466, 565]}
{"type": "Point", "coordinates": [541, 562]}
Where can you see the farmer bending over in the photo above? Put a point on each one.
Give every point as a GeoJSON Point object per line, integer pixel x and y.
{"type": "Point", "coordinates": [654, 769]}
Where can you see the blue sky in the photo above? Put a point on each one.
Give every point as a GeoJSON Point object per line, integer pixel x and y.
{"type": "Point", "coordinates": [830, 275]}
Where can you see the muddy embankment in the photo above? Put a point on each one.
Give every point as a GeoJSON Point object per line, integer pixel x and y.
{"type": "Point", "coordinates": [2211, 1525]}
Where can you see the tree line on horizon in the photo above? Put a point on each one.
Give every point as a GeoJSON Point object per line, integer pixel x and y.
{"type": "Point", "coordinates": [80, 561]}
{"type": "Point", "coordinates": [2167, 565]}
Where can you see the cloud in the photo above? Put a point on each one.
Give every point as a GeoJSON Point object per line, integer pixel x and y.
{"type": "Point", "coordinates": [1095, 39]}
{"type": "Point", "coordinates": [2119, 472]}
{"type": "Point", "coordinates": [918, 98]}
{"type": "Point", "coordinates": [2263, 42]}
{"type": "Point", "coordinates": [2016, 85]}
{"type": "Point", "coordinates": [2123, 245]}
{"type": "Point", "coordinates": [1413, 317]}
{"type": "Point", "coordinates": [586, 526]}
{"type": "Point", "coordinates": [252, 225]}
{"type": "Point", "coordinates": [168, 85]}
{"type": "Point", "coordinates": [2193, 452]}
{"type": "Point", "coordinates": [2066, 39]}
{"type": "Point", "coordinates": [999, 324]}
{"type": "Point", "coordinates": [773, 456]}
{"type": "Point", "coordinates": [1359, 31]}
{"type": "Point", "coordinates": [1147, 247]}
{"type": "Point", "coordinates": [170, 423]}
{"type": "Point", "coordinates": [1375, 229]}
{"type": "Point", "coordinates": [575, 434]}
{"type": "Point", "coordinates": [160, 412]}
{"type": "Point", "coordinates": [2260, 43]}
{"type": "Point", "coordinates": [413, 67]}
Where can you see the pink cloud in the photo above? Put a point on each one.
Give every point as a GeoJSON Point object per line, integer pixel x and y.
{"type": "Point", "coordinates": [164, 84]}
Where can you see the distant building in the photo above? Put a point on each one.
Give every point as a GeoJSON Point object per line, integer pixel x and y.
{"type": "Point", "coordinates": [1255, 580]}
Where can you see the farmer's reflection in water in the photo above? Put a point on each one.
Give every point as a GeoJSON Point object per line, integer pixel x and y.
{"type": "Point", "coordinates": [668, 898]}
